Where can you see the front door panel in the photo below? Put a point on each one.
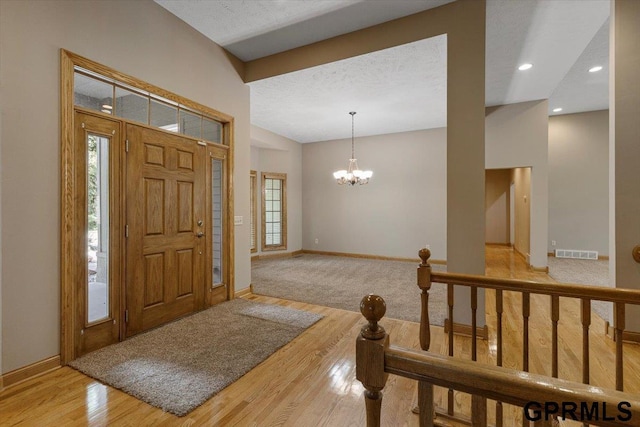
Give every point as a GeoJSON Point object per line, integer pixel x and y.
{"type": "Point", "coordinates": [166, 219]}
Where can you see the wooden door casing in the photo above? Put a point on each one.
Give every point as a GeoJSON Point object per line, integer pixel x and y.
{"type": "Point", "coordinates": [166, 217]}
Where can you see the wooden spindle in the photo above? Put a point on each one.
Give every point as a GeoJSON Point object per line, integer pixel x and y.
{"type": "Point", "coordinates": [370, 347]}
{"type": "Point", "coordinates": [585, 317]}
{"type": "Point", "coordinates": [474, 323]}
{"type": "Point", "coordinates": [478, 411]}
{"type": "Point", "coordinates": [425, 403]}
{"type": "Point", "coordinates": [450, 320]}
{"type": "Point", "coordinates": [555, 317]}
{"type": "Point", "coordinates": [618, 336]}
{"type": "Point", "coordinates": [499, 311]}
{"type": "Point", "coordinates": [526, 312]}
{"type": "Point", "coordinates": [424, 283]}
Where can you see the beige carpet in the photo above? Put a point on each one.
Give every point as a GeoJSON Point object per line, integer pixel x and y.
{"type": "Point", "coordinates": [584, 272]}
{"type": "Point", "coordinates": [341, 282]}
{"type": "Point", "coordinates": [179, 366]}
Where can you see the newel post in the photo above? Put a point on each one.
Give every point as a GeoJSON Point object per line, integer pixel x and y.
{"type": "Point", "coordinates": [370, 347]}
{"type": "Point", "coordinates": [424, 283]}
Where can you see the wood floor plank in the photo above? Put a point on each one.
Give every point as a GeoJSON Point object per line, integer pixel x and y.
{"type": "Point", "coordinates": [311, 381]}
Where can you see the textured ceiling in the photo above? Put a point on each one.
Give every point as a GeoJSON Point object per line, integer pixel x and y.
{"type": "Point", "coordinates": [252, 29]}
{"type": "Point", "coordinates": [401, 89]}
{"type": "Point", "coordinates": [393, 90]}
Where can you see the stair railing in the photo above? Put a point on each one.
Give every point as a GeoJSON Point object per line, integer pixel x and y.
{"type": "Point", "coordinates": [542, 398]}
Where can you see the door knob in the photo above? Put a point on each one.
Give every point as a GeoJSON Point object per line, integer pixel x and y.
{"type": "Point", "coordinates": [636, 253]}
{"type": "Point", "coordinates": [199, 234]}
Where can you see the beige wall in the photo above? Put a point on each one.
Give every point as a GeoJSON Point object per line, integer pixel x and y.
{"type": "Point", "coordinates": [139, 38]}
{"type": "Point", "coordinates": [403, 208]}
{"type": "Point", "coordinates": [517, 136]}
{"type": "Point", "coordinates": [282, 155]}
{"type": "Point", "coordinates": [625, 115]}
{"type": "Point", "coordinates": [579, 181]}
{"type": "Point", "coordinates": [496, 205]}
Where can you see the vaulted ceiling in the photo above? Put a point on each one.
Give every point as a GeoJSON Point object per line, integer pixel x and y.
{"type": "Point", "coordinates": [404, 88]}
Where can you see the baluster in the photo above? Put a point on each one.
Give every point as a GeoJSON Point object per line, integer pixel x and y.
{"type": "Point", "coordinates": [555, 317]}
{"type": "Point", "coordinates": [370, 347]}
{"type": "Point", "coordinates": [585, 317]}
{"type": "Point", "coordinates": [499, 310]}
{"type": "Point", "coordinates": [425, 403]}
{"type": "Point", "coordinates": [424, 283]}
{"type": "Point", "coordinates": [526, 312]}
{"type": "Point", "coordinates": [620, 325]}
{"type": "Point", "coordinates": [478, 411]}
{"type": "Point", "coordinates": [450, 304]}
{"type": "Point", "coordinates": [474, 323]}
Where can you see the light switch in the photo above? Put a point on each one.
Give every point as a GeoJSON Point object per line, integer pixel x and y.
{"type": "Point", "coordinates": [237, 220]}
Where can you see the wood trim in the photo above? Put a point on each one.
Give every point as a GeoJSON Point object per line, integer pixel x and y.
{"type": "Point", "coordinates": [539, 269]}
{"type": "Point", "coordinates": [283, 212]}
{"type": "Point", "coordinates": [366, 256]}
{"type": "Point", "coordinates": [30, 371]}
{"type": "Point", "coordinates": [506, 245]}
{"type": "Point", "coordinates": [482, 332]}
{"type": "Point", "coordinates": [627, 336]}
{"type": "Point", "coordinates": [67, 210]}
{"type": "Point", "coordinates": [276, 255]}
{"type": "Point", "coordinates": [244, 292]}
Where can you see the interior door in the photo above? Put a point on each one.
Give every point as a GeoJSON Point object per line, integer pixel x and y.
{"type": "Point", "coordinates": [98, 240]}
{"type": "Point", "coordinates": [165, 227]}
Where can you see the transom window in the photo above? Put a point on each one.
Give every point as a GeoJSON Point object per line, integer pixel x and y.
{"type": "Point", "coordinates": [109, 96]}
{"type": "Point", "coordinates": [274, 211]}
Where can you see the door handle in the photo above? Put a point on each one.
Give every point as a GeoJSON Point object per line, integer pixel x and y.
{"type": "Point", "coordinates": [199, 234]}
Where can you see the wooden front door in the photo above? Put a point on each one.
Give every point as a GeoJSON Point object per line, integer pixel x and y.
{"type": "Point", "coordinates": [165, 224]}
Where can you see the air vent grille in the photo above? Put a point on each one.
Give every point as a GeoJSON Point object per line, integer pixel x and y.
{"type": "Point", "coordinates": [576, 254]}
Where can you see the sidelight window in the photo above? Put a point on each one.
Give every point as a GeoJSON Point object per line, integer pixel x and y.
{"type": "Point", "coordinates": [274, 211]}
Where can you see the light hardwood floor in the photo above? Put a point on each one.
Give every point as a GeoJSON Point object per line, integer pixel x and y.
{"type": "Point", "coordinates": [311, 381]}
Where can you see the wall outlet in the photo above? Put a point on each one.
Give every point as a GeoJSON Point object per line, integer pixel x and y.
{"type": "Point", "coordinates": [553, 243]}
{"type": "Point", "coordinates": [317, 241]}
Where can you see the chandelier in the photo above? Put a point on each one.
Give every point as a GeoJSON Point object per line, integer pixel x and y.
{"type": "Point", "coordinates": [353, 175]}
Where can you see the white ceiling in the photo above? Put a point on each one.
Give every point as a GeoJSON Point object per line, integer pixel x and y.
{"type": "Point", "coordinates": [404, 88]}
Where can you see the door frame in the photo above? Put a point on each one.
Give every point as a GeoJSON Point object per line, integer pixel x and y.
{"type": "Point", "coordinates": [68, 216]}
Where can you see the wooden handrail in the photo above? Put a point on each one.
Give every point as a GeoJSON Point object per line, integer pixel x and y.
{"type": "Point", "coordinates": [375, 359]}
{"type": "Point", "coordinates": [628, 296]}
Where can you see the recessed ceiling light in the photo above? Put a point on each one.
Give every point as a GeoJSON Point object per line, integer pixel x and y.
{"type": "Point", "coordinates": [107, 106]}
{"type": "Point", "coordinates": [525, 66]}
{"type": "Point", "coordinates": [557, 110]}
{"type": "Point", "coordinates": [595, 69]}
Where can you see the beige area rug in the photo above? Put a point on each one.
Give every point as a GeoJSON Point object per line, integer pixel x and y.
{"type": "Point", "coordinates": [341, 282]}
{"type": "Point", "coordinates": [584, 272]}
{"type": "Point", "coordinates": [179, 366]}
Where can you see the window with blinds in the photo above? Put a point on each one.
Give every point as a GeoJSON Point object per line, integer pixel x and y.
{"type": "Point", "coordinates": [274, 211]}
{"type": "Point", "coordinates": [253, 190]}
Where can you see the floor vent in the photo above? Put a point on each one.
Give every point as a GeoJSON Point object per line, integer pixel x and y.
{"type": "Point", "coordinates": [572, 253]}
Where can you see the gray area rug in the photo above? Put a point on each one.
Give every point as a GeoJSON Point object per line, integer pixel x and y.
{"type": "Point", "coordinates": [584, 272]}
{"type": "Point", "coordinates": [179, 366]}
{"type": "Point", "coordinates": [341, 282]}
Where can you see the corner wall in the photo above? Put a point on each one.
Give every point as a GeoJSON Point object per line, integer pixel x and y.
{"type": "Point", "coordinates": [578, 182]}
{"type": "Point", "coordinates": [139, 38]}
{"type": "Point", "coordinates": [517, 135]}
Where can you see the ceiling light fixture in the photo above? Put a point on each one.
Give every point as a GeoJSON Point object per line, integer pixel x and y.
{"type": "Point", "coordinates": [353, 175]}
{"type": "Point", "coordinates": [595, 69]}
{"type": "Point", "coordinates": [557, 110]}
{"type": "Point", "coordinates": [525, 66]}
{"type": "Point", "coordinates": [107, 106]}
